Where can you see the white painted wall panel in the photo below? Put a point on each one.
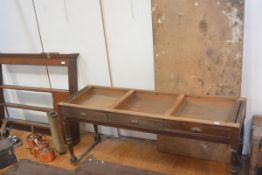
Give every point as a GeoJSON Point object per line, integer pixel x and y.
{"type": "Point", "coordinates": [251, 73]}
{"type": "Point", "coordinates": [76, 26]}
{"type": "Point", "coordinates": [129, 33]}
{"type": "Point", "coordinates": [18, 33]}
{"type": "Point", "coordinates": [18, 28]}
{"type": "Point", "coordinates": [73, 27]}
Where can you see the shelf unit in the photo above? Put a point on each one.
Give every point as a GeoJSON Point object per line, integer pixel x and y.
{"type": "Point", "coordinates": [52, 59]}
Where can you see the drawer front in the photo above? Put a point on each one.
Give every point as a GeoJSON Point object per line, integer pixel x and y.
{"type": "Point", "coordinates": [173, 126]}
{"type": "Point", "coordinates": [85, 114]}
{"type": "Point", "coordinates": [137, 122]}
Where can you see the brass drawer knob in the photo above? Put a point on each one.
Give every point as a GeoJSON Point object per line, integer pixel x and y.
{"type": "Point", "coordinates": [195, 130]}
{"type": "Point", "coordinates": [82, 113]}
{"type": "Point", "coordinates": [134, 121]}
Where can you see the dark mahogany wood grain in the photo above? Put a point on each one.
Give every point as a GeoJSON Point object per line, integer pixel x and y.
{"type": "Point", "coordinates": [160, 113]}
{"type": "Point", "coordinates": [38, 59]}
{"type": "Point", "coordinates": [42, 59]}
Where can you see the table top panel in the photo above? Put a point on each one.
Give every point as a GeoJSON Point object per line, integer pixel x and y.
{"type": "Point", "coordinates": [99, 97]}
{"type": "Point", "coordinates": [157, 104]}
{"type": "Point", "coordinates": [221, 110]}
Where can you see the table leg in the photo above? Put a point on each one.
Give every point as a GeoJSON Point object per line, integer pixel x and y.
{"type": "Point", "coordinates": [73, 158]}
{"type": "Point", "coordinates": [69, 142]}
{"type": "Point", "coordinates": [236, 159]}
{"type": "Point", "coordinates": [235, 163]}
{"type": "Point", "coordinates": [97, 139]}
{"type": "Point", "coordinates": [97, 136]}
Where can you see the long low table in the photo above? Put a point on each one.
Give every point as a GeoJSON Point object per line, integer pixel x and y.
{"type": "Point", "coordinates": [215, 119]}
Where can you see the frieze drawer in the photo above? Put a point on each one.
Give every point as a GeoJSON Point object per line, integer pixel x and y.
{"type": "Point", "coordinates": [85, 114]}
{"type": "Point", "coordinates": [196, 128]}
{"type": "Point", "coordinates": [138, 122]}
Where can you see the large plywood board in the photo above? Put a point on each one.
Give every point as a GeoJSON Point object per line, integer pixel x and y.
{"type": "Point", "coordinates": [198, 46]}
{"type": "Point", "coordinates": [198, 50]}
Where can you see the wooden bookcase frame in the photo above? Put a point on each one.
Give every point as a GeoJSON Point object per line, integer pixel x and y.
{"type": "Point", "coordinates": [53, 59]}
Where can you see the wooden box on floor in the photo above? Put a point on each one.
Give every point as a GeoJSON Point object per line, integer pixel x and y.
{"type": "Point", "coordinates": [194, 148]}
{"type": "Point", "coordinates": [256, 154]}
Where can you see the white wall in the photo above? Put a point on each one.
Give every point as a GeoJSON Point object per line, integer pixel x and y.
{"type": "Point", "coordinates": [251, 73]}
{"type": "Point", "coordinates": [18, 34]}
{"type": "Point", "coordinates": [129, 34]}
{"type": "Point", "coordinates": [76, 26]}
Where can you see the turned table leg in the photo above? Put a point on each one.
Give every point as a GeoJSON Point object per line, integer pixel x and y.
{"type": "Point", "coordinates": [97, 139]}
{"type": "Point", "coordinates": [236, 158]}
{"type": "Point", "coordinates": [69, 142]}
{"type": "Point", "coordinates": [97, 136]}
{"type": "Point", "coordinates": [235, 162]}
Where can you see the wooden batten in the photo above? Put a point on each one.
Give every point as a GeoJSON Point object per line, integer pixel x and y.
{"type": "Point", "coordinates": [52, 59]}
{"type": "Point", "coordinates": [176, 105]}
{"type": "Point", "coordinates": [129, 94]}
{"type": "Point", "coordinates": [26, 107]}
{"type": "Point", "coordinates": [33, 89]}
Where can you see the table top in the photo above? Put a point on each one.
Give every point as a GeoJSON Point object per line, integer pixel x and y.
{"type": "Point", "coordinates": [207, 109]}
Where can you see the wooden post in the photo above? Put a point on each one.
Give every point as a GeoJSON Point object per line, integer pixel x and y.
{"type": "Point", "coordinates": [73, 126]}
{"type": "Point", "coordinates": [56, 132]}
{"type": "Point", "coordinates": [2, 108]}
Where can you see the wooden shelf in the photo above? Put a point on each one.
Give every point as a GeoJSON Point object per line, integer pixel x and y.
{"type": "Point", "coordinates": [11, 121]}
{"type": "Point", "coordinates": [27, 107]}
{"type": "Point", "coordinates": [52, 59]}
{"type": "Point", "coordinates": [27, 125]}
{"type": "Point", "coordinates": [176, 104]}
{"type": "Point", "coordinates": [33, 89]}
{"type": "Point", "coordinates": [68, 61]}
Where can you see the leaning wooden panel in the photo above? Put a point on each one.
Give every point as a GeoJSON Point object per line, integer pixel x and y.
{"type": "Point", "coordinates": [197, 50]}
{"type": "Point", "coordinates": [198, 46]}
